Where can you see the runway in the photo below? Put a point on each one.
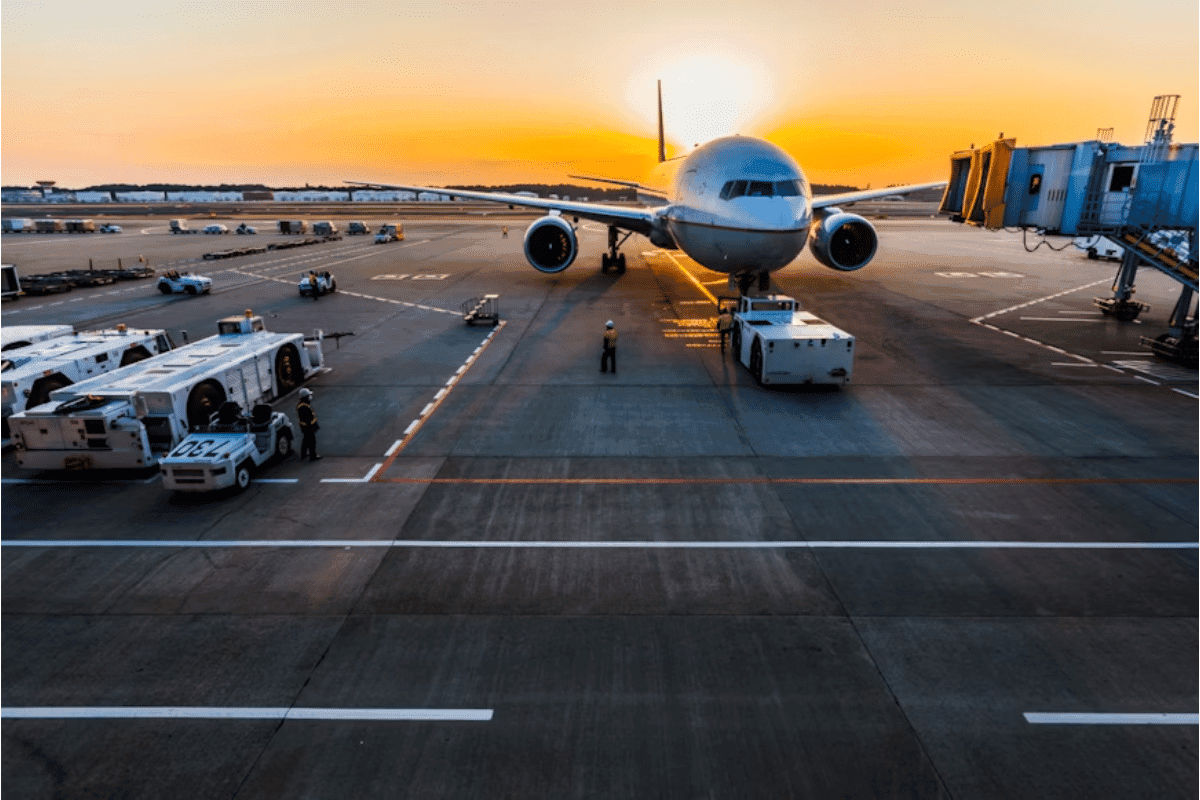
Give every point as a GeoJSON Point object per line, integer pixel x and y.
{"type": "Point", "coordinates": [970, 573]}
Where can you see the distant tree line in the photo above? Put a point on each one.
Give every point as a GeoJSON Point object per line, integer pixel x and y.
{"type": "Point", "coordinates": [541, 189]}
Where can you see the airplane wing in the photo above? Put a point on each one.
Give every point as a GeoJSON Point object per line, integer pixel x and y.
{"type": "Point", "coordinates": [638, 220]}
{"type": "Point", "coordinates": [824, 200]}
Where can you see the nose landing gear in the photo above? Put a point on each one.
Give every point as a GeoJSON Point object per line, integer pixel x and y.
{"type": "Point", "coordinates": [746, 280]}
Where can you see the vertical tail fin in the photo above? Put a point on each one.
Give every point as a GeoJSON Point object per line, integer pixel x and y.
{"type": "Point", "coordinates": [662, 146]}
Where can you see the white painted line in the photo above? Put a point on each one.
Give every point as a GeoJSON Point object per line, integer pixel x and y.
{"type": "Point", "coordinates": [598, 545]}
{"type": "Point", "coordinates": [374, 470]}
{"type": "Point", "coordinates": [1147, 380]}
{"type": "Point", "coordinates": [425, 411]}
{"type": "Point", "coordinates": [461, 370]}
{"type": "Point", "coordinates": [1121, 353]}
{"type": "Point", "coordinates": [342, 480]}
{"type": "Point", "coordinates": [1114, 369]}
{"type": "Point", "coordinates": [218, 712]}
{"type": "Point", "coordinates": [1070, 364]}
{"type": "Point", "coordinates": [452, 381]}
{"type": "Point", "coordinates": [1059, 319]}
{"type": "Point", "coordinates": [1048, 718]}
{"type": "Point", "coordinates": [1189, 394]}
{"type": "Point", "coordinates": [411, 426]}
{"type": "Point", "coordinates": [440, 393]}
{"type": "Point", "coordinates": [396, 444]}
{"type": "Point", "coordinates": [276, 480]}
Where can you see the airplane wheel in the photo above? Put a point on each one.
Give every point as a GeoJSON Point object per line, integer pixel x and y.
{"type": "Point", "coordinates": [764, 281]}
{"type": "Point", "coordinates": [621, 264]}
{"type": "Point", "coordinates": [756, 361]}
{"type": "Point", "coordinates": [604, 263]}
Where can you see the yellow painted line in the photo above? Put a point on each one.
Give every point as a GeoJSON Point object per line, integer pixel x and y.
{"type": "Point", "coordinates": [691, 277]}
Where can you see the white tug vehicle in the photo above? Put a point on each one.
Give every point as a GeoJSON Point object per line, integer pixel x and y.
{"type": "Point", "coordinates": [133, 417]}
{"type": "Point", "coordinates": [224, 452]}
{"type": "Point", "coordinates": [326, 284]}
{"type": "Point", "coordinates": [780, 344]}
{"type": "Point", "coordinates": [175, 282]}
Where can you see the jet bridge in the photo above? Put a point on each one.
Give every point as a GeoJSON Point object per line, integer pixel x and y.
{"type": "Point", "coordinates": [1143, 197]}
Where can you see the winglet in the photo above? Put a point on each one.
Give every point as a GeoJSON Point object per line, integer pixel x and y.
{"type": "Point", "coordinates": [662, 146]}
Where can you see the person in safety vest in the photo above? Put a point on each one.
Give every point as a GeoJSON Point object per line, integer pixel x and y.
{"type": "Point", "coordinates": [312, 284]}
{"type": "Point", "coordinates": [308, 426]}
{"type": "Point", "coordinates": [609, 354]}
{"type": "Point", "coordinates": [724, 325]}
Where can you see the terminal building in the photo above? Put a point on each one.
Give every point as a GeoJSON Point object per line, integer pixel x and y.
{"type": "Point", "coordinates": [1143, 198]}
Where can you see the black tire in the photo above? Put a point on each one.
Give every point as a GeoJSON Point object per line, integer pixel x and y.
{"type": "Point", "coordinates": [604, 263]}
{"type": "Point", "coordinates": [134, 355]}
{"type": "Point", "coordinates": [39, 393]}
{"type": "Point", "coordinates": [190, 290]}
{"type": "Point", "coordinates": [203, 401]}
{"type": "Point", "coordinates": [288, 372]}
{"type": "Point", "coordinates": [756, 361]}
{"type": "Point", "coordinates": [165, 288]}
{"type": "Point", "coordinates": [735, 341]}
{"type": "Point", "coordinates": [283, 446]}
{"type": "Point", "coordinates": [1127, 313]}
{"type": "Point", "coordinates": [621, 264]}
{"type": "Point", "coordinates": [241, 478]}
{"type": "Point", "coordinates": [332, 287]}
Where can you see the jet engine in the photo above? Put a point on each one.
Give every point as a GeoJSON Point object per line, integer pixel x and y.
{"type": "Point", "coordinates": [842, 241]}
{"type": "Point", "coordinates": [550, 244]}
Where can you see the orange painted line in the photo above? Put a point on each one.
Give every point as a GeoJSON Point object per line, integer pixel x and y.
{"type": "Point", "coordinates": [813, 481]}
{"type": "Point", "coordinates": [433, 408]}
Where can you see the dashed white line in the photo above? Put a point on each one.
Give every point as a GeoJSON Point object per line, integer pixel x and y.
{"type": "Point", "coordinates": [1189, 394]}
{"type": "Point", "coordinates": [264, 713]}
{"type": "Point", "coordinates": [1073, 718]}
{"type": "Point", "coordinates": [396, 445]}
{"type": "Point", "coordinates": [410, 428]}
{"type": "Point", "coordinates": [1147, 380]}
{"type": "Point", "coordinates": [425, 411]}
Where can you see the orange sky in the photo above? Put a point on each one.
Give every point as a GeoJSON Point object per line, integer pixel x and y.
{"type": "Point", "coordinates": [288, 93]}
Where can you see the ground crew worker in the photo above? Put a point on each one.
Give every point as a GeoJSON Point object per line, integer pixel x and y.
{"type": "Point", "coordinates": [609, 355]}
{"type": "Point", "coordinates": [312, 284]}
{"type": "Point", "coordinates": [724, 325]}
{"type": "Point", "coordinates": [504, 232]}
{"type": "Point", "coordinates": [308, 426]}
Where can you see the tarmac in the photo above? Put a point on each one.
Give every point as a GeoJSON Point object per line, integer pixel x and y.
{"type": "Point", "coordinates": [970, 573]}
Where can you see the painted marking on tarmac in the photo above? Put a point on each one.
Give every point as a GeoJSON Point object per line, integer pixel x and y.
{"type": "Point", "coordinates": [1147, 380]}
{"type": "Point", "coordinates": [395, 446]}
{"type": "Point", "coordinates": [1189, 394]}
{"type": "Point", "coordinates": [833, 544]}
{"type": "Point", "coordinates": [1067, 718]}
{"type": "Point", "coordinates": [276, 480]}
{"type": "Point", "coordinates": [225, 713]}
{"type": "Point", "coordinates": [1061, 319]}
{"type": "Point", "coordinates": [1038, 300]}
{"type": "Point", "coordinates": [692, 278]}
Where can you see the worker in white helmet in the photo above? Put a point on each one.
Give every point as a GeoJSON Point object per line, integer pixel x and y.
{"type": "Point", "coordinates": [609, 354]}
{"type": "Point", "coordinates": [308, 426]}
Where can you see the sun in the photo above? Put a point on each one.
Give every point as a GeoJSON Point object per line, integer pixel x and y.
{"type": "Point", "coordinates": [706, 95]}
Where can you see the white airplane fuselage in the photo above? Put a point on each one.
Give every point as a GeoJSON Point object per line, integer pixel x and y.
{"type": "Point", "coordinates": [734, 204]}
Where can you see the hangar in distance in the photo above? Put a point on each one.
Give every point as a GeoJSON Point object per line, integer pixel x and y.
{"type": "Point", "coordinates": [737, 205]}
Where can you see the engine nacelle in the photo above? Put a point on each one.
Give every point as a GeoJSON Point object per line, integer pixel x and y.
{"type": "Point", "coordinates": [550, 244]}
{"type": "Point", "coordinates": [842, 241]}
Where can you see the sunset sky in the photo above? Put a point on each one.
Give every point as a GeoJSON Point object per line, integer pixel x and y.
{"type": "Point", "coordinates": [442, 92]}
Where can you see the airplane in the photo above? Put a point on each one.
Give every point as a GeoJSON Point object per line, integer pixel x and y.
{"type": "Point", "coordinates": [737, 205]}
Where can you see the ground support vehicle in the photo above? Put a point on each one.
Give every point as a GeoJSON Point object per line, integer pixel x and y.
{"type": "Point", "coordinates": [12, 281]}
{"type": "Point", "coordinates": [326, 284]}
{"type": "Point", "coordinates": [482, 309]}
{"type": "Point", "coordinates": [46, 284]}
{"type": "Point", "coordinates": [180, 226]}
{"type": "Point", "coordinates": [80, 226]}
{"type": "Point", "coordinates": [216, 228]}
{"type": "Point", "coordinates": [390, 232]}
{"type": "Point", "coordinates": [226, 451]}
{"type": "Point", "coordinates": [353, 228]}
{"type": "Point", "coordinates": [1100, 247]}
{"type": "Point", "coordinates": [31, 373]}
{"type": "Point", "coordinates": [324, 228]}
{"type": "Point", "coordinates": [244, 229]}
{"type": "Point", "coordinates": [15, 337]}
{"type": "Point", "coordinates": [110, 228]}
{"type": "Point", "coordinates": [781, 344]}
{"type": "Point", "coordinates": [48, 226]}
{"type": "Point", "coordinates": [17, 225]}
{"type": "Point", "coordinates": [290, 226]}
{"type": "Point", "coordinates": [134, 416]}
{"type": "Point", "coordinates": [175, 282]}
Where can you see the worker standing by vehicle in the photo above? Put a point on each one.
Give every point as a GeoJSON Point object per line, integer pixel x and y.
{"type": "Point", "coordinates": [609, 355]}
{"type": "Point", "coordinates": [504, 232]}
{"type": "Point", "coordinates": [308, 426]}
{"type": "Point", "coordinates": [312, 284]}
{"type": "Point", "coordinates": [724, 325]}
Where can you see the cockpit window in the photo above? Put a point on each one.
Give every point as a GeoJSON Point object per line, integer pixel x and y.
{"type": "Point", "coordinates": [788, 188]}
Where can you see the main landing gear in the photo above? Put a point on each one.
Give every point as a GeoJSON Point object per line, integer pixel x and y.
{"type": "Point", "coordinates": [612, 259]}
{"type": "Point", "coordinates": [746, 280]}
